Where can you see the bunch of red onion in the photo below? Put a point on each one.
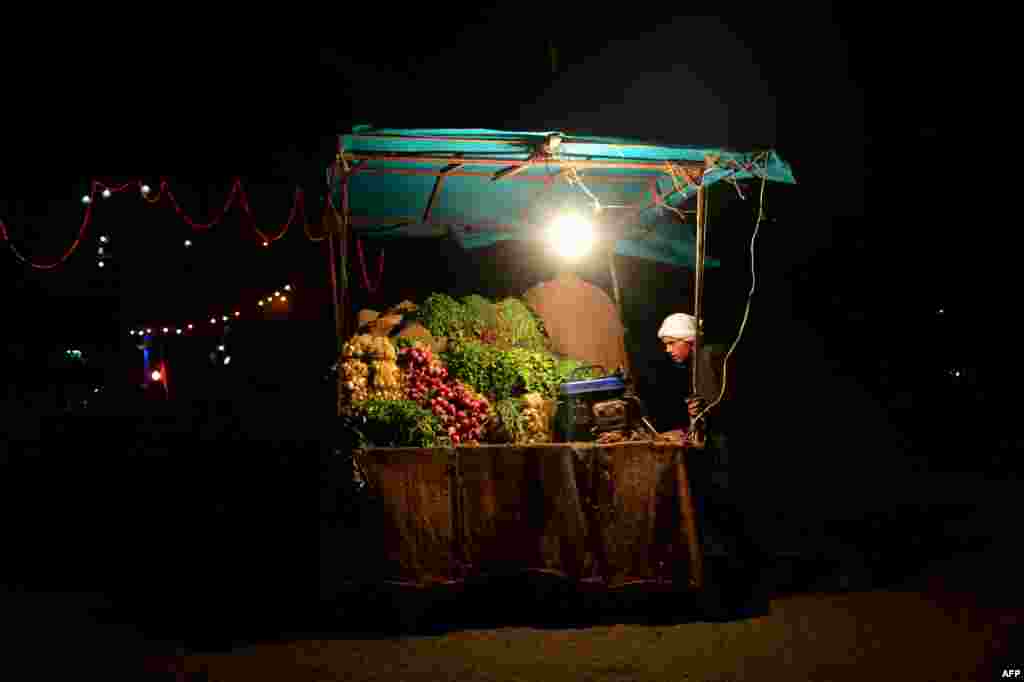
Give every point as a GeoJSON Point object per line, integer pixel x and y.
{"type": "Point", "coordinates": [462, 412]}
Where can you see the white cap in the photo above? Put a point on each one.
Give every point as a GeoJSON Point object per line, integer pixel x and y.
{"type": "Point", "coordinates": [679, 326]}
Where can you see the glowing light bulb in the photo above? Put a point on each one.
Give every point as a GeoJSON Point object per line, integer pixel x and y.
{"type": "Point", "coordinates": [220, 348]}
{"type": "Point", "coordinates": [131, 333]}
{"type": "Point", "coordinates": [237, 313]}
{"type": "Point", "coordinates": [189, 325]}
{"type": "Point", "coordinates": [165, 330]}
{"type": "Point", "coordinates": [284, 299]}
{"type": "Point", "coordinates": [225, 318]}
{"type": "Point", "coordinates": [572, 236]}
{"type": "Point", "coordinates": [260, 303]}
{"type": "Point", "coordinates": [155, 376]}
{"type": "Point", "coordinates": [227, 360]}
{"type": "Point", "coordinates": [149, 331]}
{"type": "Point", "coordinates": [103, 239]}
{"type": "Point", "coordinates": [100, 264]}
{"type": "Point", "coordinates": [100, 250]}
{"type": "Point", "coordinates": [266, 243]}
{"type": "Point", "coordinates": [287, 287]}
{"type": "Point", "coordinates": [177, 331]}
{"type": "Point", "coordinates": [188, 243]}
{"type": "Point", "coordinates": [86, 199]}
{"type": "Point", "coordinates": [106, 193]}
{"type": "Point", "coordinates": [145, 189]}
{"type": "Point", "coordinates": [277, 293]}
{"type": "Point", "coordinates": [213, 320]}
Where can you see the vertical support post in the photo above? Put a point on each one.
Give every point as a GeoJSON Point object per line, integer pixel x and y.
{"type": "Point", "coordinates": [618, 305]}
{"type": "Point", "coordinates": [345, 243]}
{"type": "Point", "coordinates": [698, 284]}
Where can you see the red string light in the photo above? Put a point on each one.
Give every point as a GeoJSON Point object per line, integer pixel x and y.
{"type": "Point", "coordinates": [236, 193]}
{"type": "Point", "coordinates": [380, 269]}
{"type": "Point", "coordinates": [74, 246]}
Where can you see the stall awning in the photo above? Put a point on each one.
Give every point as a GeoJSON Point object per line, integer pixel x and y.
{"type": "Point", "coordinates": [485, 186]}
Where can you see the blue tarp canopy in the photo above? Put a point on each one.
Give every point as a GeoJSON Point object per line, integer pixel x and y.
{"type": "Point", "coordinates": [485, 186]}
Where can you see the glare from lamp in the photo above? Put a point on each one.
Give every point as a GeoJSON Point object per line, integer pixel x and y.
{"type": "Point", "coordinates": [572, 236]}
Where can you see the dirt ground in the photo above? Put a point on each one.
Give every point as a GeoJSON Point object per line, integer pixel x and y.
{"type": "Point", "coordinates": [939, 628]}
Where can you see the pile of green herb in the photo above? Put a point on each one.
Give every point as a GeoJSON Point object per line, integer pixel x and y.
{"type": "Point", "coordinates": [444, 317]}
{"type": "Point", "coordinates": [509, 420]}
{"type": "Point", "coordinates": [482, 313]}
{"type": "Point", "coordinates": [502, 374]}
{"type": "Point", "coordinates": [519, 326]}
{"type": "Point", "coordinates": [396, 424]}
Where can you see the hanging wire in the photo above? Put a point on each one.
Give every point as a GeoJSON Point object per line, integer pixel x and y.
{"type": "Point", "coordinates": [746, 311]}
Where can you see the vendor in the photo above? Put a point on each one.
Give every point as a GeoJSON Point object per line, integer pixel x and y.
{"type": "Point", "coordinates": [722, 523]}
{"type": "Point", "coordinates": [678, 333]}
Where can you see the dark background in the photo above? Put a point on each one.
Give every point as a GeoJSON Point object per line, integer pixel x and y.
{"type": "Point", "coordinates": [847, 371]}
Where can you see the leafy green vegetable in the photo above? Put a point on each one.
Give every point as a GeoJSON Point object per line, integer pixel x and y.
{"type": "Point", "coordinates": [444, 316]}
{"type": "Point", "coordinates": [510, 420]}
{"type": "Point", "coordinates": [520, 326]}
{"type": "Point", "coordinates": [398, 423]}
{"type": "Point", "coordinates": [502, 374]}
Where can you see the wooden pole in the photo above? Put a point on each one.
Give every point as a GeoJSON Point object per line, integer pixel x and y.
{"type": "Point", "coordinates": [698, 286]}
{"type": "Point", "coordinates": [618, 305]}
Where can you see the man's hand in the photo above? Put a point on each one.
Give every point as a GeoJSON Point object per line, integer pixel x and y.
{"type": "Point", "coordinates": [695, 405]}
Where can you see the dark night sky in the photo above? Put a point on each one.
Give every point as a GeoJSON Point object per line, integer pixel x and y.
{"type": "Point", "coordinates": [857, 294]}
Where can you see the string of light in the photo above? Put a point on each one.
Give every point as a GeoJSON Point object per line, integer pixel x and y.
{"type": "Point", "coordinates": [236, 194]}
{"type": "Point", "coordinates": [214, 321]}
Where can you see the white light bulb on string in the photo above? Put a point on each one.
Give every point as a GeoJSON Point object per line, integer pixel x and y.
{"type": "Point", "coordinates": [106, 193]}
{"type": "Point", "coordinates": [284, 300]}
{"type": "Point", "coordinates": [277, 293]}
{"type": "Point", "coordinates": [266, 243]}
{"type": "Point", "coordinates": [86, 199]}
{"type": "Point", "coordinates": [238, 313]}
{"type": "Point", "coordinates": [100, 264]}
{"type": "Point", "coordinates": [149, 331]}
{"type": "Point", "coordinates": [104, 239]}
{"type": "Point", "coordinates": [131, 333]}
{"type": "Point", "coordinates": [213, 320]}
{"type": "Point", "coordinates": [220, 348]}
{"type": "Point", "coordinates": [188, 243]}
{"type": "Point", "coordinates": [227, 360]}
{"type": "Point", "coordinates": [225, 318]}
{"type": "Point", "coordinates": [189, 325]}
{"type": "Point", "coordinates": [260, 303]}
{"type": "Point", "coordinates": [178, 331]}
{"type": "Point", "coordinates": [287, 287]}
{"type": "Point", "coordinates": [145, 189]}
{"type": "Point", "coordinates": [155, 376]}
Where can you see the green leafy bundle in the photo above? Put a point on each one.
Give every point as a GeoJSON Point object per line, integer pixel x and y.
{"type": "Point", "coordinates": [398, 423]}
{"type": "Point", "coordinates": [445, 317]}
{"type": "Point", "coordinates": [510, 424]}
{"type": "Point", "coordinates": [519, 326]}
{"type": "Point", "coordinates": [502, 374]}
{"type": "Point", "coordinates": [483, 314]}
